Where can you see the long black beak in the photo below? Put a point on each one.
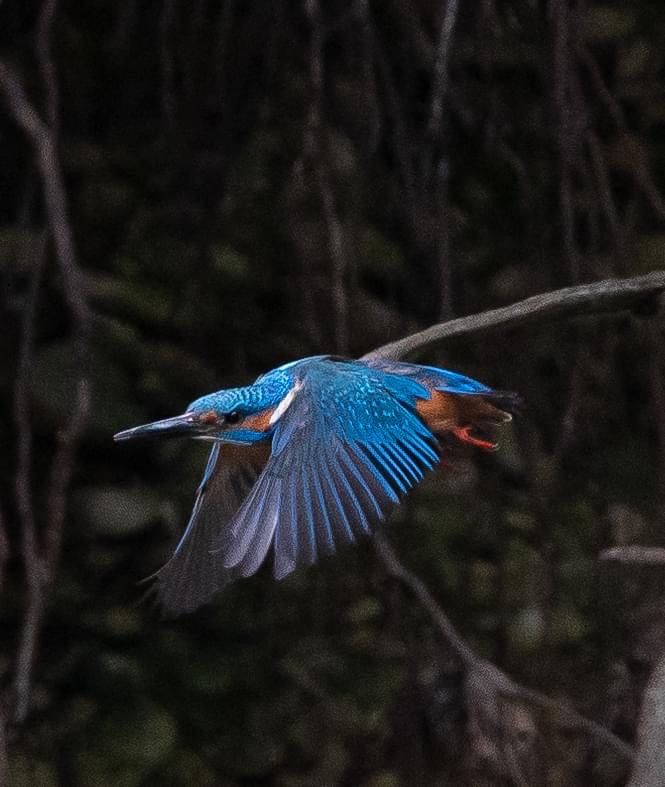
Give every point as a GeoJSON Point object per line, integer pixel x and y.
{"type": "Point", "coordinates": [187, 425]}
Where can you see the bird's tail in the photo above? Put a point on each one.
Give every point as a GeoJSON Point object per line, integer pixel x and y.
{"type": "Point", "coordinates": [508, 403]}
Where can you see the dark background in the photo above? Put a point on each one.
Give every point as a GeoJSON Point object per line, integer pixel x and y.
{"type": "Point", "coordinates": [246, 183]}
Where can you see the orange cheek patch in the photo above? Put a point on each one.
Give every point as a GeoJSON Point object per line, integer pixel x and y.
{"type": "Point", "coordinates": [260, 422]}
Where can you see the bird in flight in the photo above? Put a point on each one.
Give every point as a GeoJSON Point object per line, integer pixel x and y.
{"type": "Point", "coordinates": [313, 455]}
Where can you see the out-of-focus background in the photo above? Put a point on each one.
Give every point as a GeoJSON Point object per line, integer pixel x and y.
{"type": "Point", "coordinates": [231, 185]}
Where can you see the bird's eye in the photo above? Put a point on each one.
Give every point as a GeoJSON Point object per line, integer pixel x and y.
{"type": "Point", "coordinates": [232, 418]}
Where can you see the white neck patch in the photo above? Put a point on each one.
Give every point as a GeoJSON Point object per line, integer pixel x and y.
{"type": "Point", "coordinates": [286, 402]}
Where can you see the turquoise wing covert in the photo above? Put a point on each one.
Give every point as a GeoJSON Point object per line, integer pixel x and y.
{"type": "Point", "coordinates": [345, 449]}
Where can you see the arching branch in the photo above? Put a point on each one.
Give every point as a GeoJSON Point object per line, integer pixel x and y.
{"type": "Point", "coordinates": [611, 295]}
{"type": "Point", "coordinates": [640, 292]}
{"type": "Point", "coordinates": [493, 681]}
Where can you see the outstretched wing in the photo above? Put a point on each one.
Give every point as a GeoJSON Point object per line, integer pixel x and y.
{"type": "Point", "coordinates": [344, 450]}
{"type": "Point", "coordinates": [195, 573]}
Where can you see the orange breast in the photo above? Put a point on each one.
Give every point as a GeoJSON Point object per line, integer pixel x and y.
{"type": "Point", "coordinates": [446, 411]}
{"type": "Point", "coordinates": [439, 412]}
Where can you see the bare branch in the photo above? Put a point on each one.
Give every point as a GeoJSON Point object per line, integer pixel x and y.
{"type": "Point", "coordinates": [417, 586]}
{"type": "Point", "coordinates": [338, 257]}
{"type": "Point", "coordinates": [4, 556]}
{"type": "Point", "coordinates": [4, 548]}
{"type": "Point", "coordinates": [222, 37]}
{"type": "Point", "coordinates": [603, 92]}
{"type": "Point", "coordinates": [43, 47]}
{"type": "Point", "coordinates": [573, 404]}
{"type": "Point", "coordinates": [55, 196]}
{"type": "Point", "coordinates": [641, 172]}
{"type": "Point", "coordinates": [568, 130]}
{"type": "Point", "coordinates": [62, 470]}
{"type": "Point", "coordinates": [633, 553]}
{"type": "Point", "coordinates": [610, 295]}
{"type": "Point", "coordinates": [657, 395]}
{"type": "Point", "coordinates": [399, 133]}
{"type": "Point", "coordinates": [33, 567]}
{"type": "Point", "coordinates": [493, 680]}
{"type": "Point", "coordinates": [440, 81]}
{"type": "Point", "coordinates": [650, 759]}
{"type": "Point", "coordinates": [4, 760]}
{"type": "Point", "coordinates": [166, 25]}
{"type": "Point", "coordinates": [39, 565]}
{"type": "Point", "coordinates": [574, 719]}
{"type": "Point", "coordinates": [604, 190]}
{"type": "Point", "coordinates": [314, 139]}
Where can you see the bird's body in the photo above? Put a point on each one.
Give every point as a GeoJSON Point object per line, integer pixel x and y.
{"type": "Point", "coordinates": [312, 455]}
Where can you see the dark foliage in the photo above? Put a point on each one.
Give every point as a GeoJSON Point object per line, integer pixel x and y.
{"type": "Point", "coordinates": [205, 190]}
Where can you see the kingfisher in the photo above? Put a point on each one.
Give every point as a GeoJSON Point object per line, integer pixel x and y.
{"type": "Point", "coordinates": [313, 455]}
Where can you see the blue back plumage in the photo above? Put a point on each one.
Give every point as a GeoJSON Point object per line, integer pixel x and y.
{"type": "Point", "coordinates": [438, 379]}
{"type": "Point", "coordinates": [361, 403]}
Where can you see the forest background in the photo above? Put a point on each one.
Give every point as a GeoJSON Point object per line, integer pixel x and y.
{"type": "Point", "coordinates": [192, 193]}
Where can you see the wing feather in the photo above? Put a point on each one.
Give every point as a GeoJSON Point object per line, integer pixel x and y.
{"type": "Point", "coordinates": [194, 573]}
{"type": "Point", "coordinates": [339, 518]}
{"type": "Point", "coordinates": [344, 453]}
{"type": "Point", "coordinates": [306, 533]}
